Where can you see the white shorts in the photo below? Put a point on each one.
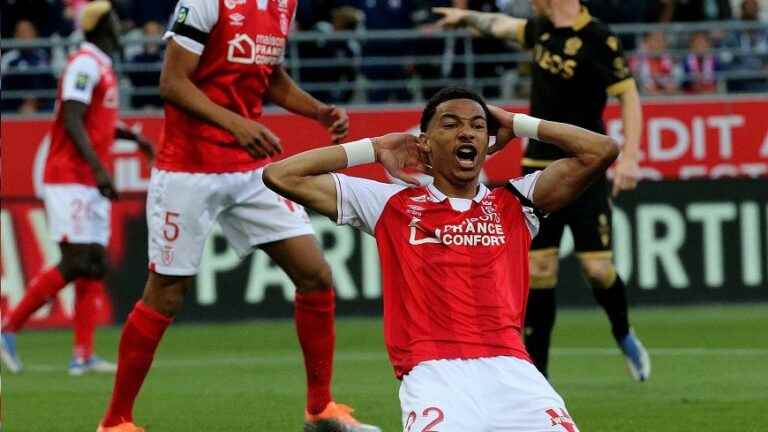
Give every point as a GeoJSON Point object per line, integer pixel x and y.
{"type": "Point", "coordinates": [183, 207]}
{"type": "Point", "coordinates": [77, 213]}
{"type": "Point", "coordinates": [481, 395]}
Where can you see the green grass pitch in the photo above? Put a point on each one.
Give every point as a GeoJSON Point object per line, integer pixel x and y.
{"type": "Point", "coordinates": [710, 372]}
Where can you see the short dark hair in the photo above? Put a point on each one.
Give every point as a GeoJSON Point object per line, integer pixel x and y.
{"type": "Point", "coordinates": [451, 93]}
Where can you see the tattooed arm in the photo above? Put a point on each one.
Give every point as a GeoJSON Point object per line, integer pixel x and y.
{"type": "Point", "coordinates": [495, 25]}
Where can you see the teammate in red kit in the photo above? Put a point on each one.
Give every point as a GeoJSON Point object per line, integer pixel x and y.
{"type": "Point", "coordinates": [454, 256]}
{"type": "Point", "coordinates": [77, 189]}
{"type": "Point", "coordinates": [223, 57]}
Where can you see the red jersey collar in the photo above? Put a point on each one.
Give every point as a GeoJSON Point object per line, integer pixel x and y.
{"type": "Point", "coordinates": [438, 196]}
{"type": "Point", "coordinates": [96, 51]}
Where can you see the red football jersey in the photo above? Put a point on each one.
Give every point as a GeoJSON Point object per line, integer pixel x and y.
{"type": "Point", "coordinates": [240, 43]}
{"type": "Point", "coordinates": [88, 78]}
{"type": "Point", "coordinates": [454, 271]}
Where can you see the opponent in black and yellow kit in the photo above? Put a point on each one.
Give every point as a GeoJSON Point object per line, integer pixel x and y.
{"type": "Point", "coordinates": [577, 63]}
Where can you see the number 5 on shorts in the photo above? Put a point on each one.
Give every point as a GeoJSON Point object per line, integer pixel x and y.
{"type": "Point", "coordinates": [171, 228]}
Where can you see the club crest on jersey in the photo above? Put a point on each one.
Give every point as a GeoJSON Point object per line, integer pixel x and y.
{"type": "Point", "coordinates": [236, 19]}
{"type": "Point", "coordinates": [231, 4]}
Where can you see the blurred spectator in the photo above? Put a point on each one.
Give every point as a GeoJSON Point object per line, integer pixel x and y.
{"type": "Point", "coordinates": [141, 12]}
{"type": "Point", "coordinates": [22, 60]}
{"type": "Point", "coordinates": [433, 56]}
{"type": "Point", "coordinates": [619, 11]}
{"type": "Point", "coordinates": [344, 53]}
{"type": "Point", "coordinates": [701, 66]}
{"type": "Point", "coordinates": [311, 12]}
{"type": "Point", "coordinates": [388, 56]}
{"type": "Point", "coordinates": [150, 59]}
{"type": "Point", "coordinates": [701, 10]}
{"type": "Point", "coordinates": [653, 67]}
{"type": "Point", "coordinates": [516, 8]}
{"type": "Point", "coordinates": [750, 50]}
{"type": "Point", "coordinates": [488, 48]}
{"type": "Point", "coordinates": [48, 16]}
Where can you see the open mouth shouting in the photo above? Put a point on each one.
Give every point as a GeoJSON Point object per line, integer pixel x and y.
{"type": "Point", "coordinates": [466, 155]}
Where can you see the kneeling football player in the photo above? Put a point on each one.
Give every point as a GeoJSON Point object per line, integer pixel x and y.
{"type": "Point", "coordinates": [454, 255]}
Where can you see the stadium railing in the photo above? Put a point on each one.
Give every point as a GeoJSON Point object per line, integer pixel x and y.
{"type": "Point", "coordinates": [417, 60]}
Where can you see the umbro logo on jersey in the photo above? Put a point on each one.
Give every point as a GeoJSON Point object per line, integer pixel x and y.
{"type": "Point", "coordinates": [231, 4]}
{"type": "Point", "coordinates": [419, 199]}
{"type": "Point", "coordinates": [236, 19]}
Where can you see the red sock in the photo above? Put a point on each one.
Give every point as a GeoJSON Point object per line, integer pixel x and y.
{"type": "Point", "coordinates": [314, 317]}
{"type": "Point", "coordinates": [86, 291]}
{"type": "Point", "coordinates": [44, 286]}
{"type": "Point", "coordinates": [141, 334]}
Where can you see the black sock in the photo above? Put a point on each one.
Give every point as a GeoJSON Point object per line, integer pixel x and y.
{"type": "Point", "coordinates": [614, 302]}
{"type": "Point", "coordinates": [539, 320]}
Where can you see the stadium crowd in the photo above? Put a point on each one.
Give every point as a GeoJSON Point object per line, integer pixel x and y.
{"type": "Point", "coordinates": [663, 63]}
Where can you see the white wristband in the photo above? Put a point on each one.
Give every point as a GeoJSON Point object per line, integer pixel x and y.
{"type": "Point", "coordinates": [359, 152]}
{"type": "Point", "coordinates": [526, 126]}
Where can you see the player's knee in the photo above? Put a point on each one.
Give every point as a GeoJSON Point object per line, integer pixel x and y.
{"type": "Point", "coordinates": [314, 278]}
{"type": "Point", "coordinates": [75, 264]}
{"type": "Point", "coordinates": [599, 272]}
{"type": "Point", "coordinates": [543, 270]}
{"type": "Point", "coordinates": [165, 294]}
{"type": "Point", "coordinates": [98, 265]}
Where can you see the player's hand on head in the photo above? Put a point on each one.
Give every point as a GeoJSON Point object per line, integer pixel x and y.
{"type": "Point", "coordinates": [506, 132]}
{"type": "Point", "coordinates": [450, 17]}
{"type": "Point", "coordinates": [401, 154]}
{"type": "Point", "coordinates": [336, 120]}
{"type": "Point", "coordinates": [105, 185]}
{"type": "Point", "coordinates": [257, 139]}
{"type": "Point", "coordinates": [626, 174]}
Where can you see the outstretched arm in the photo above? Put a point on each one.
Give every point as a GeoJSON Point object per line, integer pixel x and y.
{"type": "Point", "coordinates": [284, 92]}
{"type": "Point", "coordinates": [495, 25]}
{"type": "Point", "coordinates": [304, 178]}
{"type": "Point", "coordinates": [565, 179]}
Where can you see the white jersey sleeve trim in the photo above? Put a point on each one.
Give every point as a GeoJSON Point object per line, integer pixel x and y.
{"type": "Point", "coordinates": [360, 202]}
{"type": "Point", "coordinates": [79, 79]}
{"type": "Point", "coordinates": [526, 185]}
{"type": "Point", "coordinates": [201, 15]}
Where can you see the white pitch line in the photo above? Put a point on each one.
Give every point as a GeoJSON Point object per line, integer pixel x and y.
{"type": "Point", "coordinates": [381, 356]}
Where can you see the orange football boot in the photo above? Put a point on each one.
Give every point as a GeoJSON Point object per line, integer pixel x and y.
{"type": "Point", "coordinates": [122, 427]}
{"type": "Point", "coordinates": [335, 418]}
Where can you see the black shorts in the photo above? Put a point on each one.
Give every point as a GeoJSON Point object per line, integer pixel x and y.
{"type": "Point", "coordinates": [589, 218]}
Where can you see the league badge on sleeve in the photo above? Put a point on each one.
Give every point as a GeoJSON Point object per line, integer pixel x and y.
{"type": "Point", "coordinates": [81, 81]}
{"type": "Point", "coordinates": [182, 16]}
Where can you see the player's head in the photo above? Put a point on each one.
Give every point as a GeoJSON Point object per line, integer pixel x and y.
{"type": "Point", "coordinates": [455, 128]}
{"type": "Point", "coordinates": [101, 25]}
